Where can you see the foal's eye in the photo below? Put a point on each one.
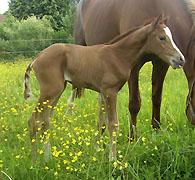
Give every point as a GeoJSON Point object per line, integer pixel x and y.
{"type": "Point", "coordinates": [162, 38]}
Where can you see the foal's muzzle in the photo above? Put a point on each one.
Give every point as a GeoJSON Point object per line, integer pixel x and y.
{"type": "Point", "coordinates": [177, 61]}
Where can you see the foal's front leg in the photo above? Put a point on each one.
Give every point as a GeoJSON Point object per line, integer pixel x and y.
{"type": "Point", "coordinates": [102, 121]}
{"type": "Point", "coordinates": [113, 123]}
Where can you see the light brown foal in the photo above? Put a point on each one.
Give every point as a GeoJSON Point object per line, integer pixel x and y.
{"type": "Point", "coordinates": [103, 68]}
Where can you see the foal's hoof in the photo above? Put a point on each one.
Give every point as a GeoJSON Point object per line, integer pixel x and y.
{"type": "Point", "coordinates": [112, 157]}
{"type": "Point", "coordinates": [155, 124]}
{"type": "Point", "coordinates": [96, 146]}
{"type": "Point", "coordinates": [132, 137]}
{"type": "Point", "coordinates": [69, 112]}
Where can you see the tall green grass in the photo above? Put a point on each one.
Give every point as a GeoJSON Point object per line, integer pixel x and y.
{"type": "Point", "coordinates": [166, 154]}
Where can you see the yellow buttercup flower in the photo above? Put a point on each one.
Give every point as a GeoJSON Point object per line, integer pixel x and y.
{"type": "Point", "coordinates": [41, 151]}
{"type": "Point", "coordinates": [126, 165]}
{"type": "Point", "coordinates": [143, 139]}
{"type": "Point", "coordinates": [115, 164]}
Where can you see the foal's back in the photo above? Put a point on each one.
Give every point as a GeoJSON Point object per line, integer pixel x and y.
{"type": "Point", "coordinates": [83, 66]}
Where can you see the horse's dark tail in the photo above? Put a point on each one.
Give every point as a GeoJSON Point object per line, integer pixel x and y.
{"type": "Point", "coordinates": [79, 92]}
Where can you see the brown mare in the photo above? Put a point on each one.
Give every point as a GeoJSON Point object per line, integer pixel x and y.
{"type": "Point", "coordinates": [103, 68]}
{"type": "Point", "coordinates": [98, 21]}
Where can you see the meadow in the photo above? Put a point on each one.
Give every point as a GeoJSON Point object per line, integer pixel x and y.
{"type": "Point", "coordinates": [167, 154]}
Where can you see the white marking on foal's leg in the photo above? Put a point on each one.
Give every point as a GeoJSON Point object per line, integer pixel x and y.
{"type": "Point", "coordinates": [70, 102]}
{"type": "Point", "coordinates": [47, 150]}
{"type": "Point", "coordinates": [112, 157]}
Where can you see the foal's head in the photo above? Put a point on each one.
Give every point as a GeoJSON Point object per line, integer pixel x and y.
{"type": "Point", "coordinates": [161, 44]}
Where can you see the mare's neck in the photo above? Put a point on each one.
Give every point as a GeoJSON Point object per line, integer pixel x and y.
{"type": "Point", "coordinates": [180, 22]}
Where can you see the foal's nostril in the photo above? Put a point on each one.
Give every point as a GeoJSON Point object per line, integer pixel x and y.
{"type": "Point", "coordinates": [182, 59]}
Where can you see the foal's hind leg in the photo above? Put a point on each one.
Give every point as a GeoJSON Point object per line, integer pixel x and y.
{"type": "Point", "coordinates": [34, 126]}
{"type": "Point", "coordinates": [51, 106]}
{"type": "Point", "coordinates": [158, 75]}
{"type": "Point", "coordinates": [39, 121]}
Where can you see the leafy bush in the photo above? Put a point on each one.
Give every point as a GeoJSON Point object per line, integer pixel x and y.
{"type": "Point", "coordinates": [55, 9]}
{"type": "Point", "coordinates": [24, 37]}
{"type": "Point", "coordinates": [30, 36]}
{"type": "Point", "coordinates": [68, 22]}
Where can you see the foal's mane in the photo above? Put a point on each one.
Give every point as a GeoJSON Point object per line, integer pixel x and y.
{"type": "Point", "coordinates": [125, 34]}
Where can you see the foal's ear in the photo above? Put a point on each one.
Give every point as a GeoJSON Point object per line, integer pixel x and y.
{"type": "Point", "coordinates": [165, 20]}
{"type": "Point", "coordinates": [158, 20]}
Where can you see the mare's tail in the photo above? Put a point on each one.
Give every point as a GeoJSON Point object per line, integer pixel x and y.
{"type": "Point", "coordinates": [79, 92]}
{"type": "Point", "coordinates": [27, 93]}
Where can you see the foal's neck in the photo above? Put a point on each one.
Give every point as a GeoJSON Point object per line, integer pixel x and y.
{"type": "Point", "coordinates": [132, 47]}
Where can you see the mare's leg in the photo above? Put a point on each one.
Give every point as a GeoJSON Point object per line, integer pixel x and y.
{"type": "Point", "coordinates": [158, 75]}
{"type": "Point", "coordinates": [134, 99]}
{"type": "Point", "coordinates": [190, 101]}
{"type": "Point", "coordinates": [113, 123]}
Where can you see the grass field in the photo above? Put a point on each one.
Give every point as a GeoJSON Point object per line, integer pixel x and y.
{"type": "Point", "coordinates": [168, 154]}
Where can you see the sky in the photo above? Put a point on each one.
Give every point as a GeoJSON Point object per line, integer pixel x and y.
{"type": "Point", "coordinates": [3, 6]}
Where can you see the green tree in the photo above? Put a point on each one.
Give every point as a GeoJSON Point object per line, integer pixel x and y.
{"type": "Point", "coordinates": [54, 10]}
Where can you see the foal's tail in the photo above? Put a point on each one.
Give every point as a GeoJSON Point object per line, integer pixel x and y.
{"type": "Point", "coordinates": [27, 93]}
